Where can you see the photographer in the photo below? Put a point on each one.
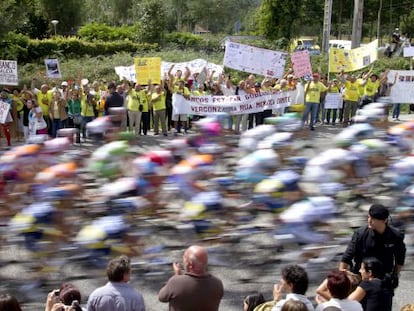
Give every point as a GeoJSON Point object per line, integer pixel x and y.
{"type": "Point", "coordinates": [67, 298]}
{"type": "Point", "coordinates": [379, 240]}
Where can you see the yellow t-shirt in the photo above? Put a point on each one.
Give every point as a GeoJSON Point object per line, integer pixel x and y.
{"type": "Point", "coordinates": [198, 93]}
{"type": "Point", "coordinates": [313, 92]}
{"type": "Point", "coordinates": [184, 91]}
{"type": "Point", "coordinates": [371, 87]}
{"type": "Point", "coordinates": [361, 86]}
{"type": "Point", "coordinates": [352, 91]}
{"type": "Point", "coordinates": [158, 101]}
{"type": "Point", "coordinates": [86, 109]}
{"type": "Point", "coordinates": [133, 101]}
{"type": "Point", "coordinates": [44, 100]}
{"type": "Point", "coordinates": [278, 87]}
{"type": "Point", "coordinates": [19, 104]}
{"type": "Point", "coordinates": [137, 98]}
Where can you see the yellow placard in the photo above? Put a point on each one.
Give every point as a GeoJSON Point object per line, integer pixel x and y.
{"type": "Point", "coordinates": [148, 68]}
{"type": "Point", "coordinates": [351, 60]}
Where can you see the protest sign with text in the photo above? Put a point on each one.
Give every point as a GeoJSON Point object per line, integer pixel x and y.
{"type": "Point", "coordinates": [254, 60]}
{"type": "Point", "coordinates": [351, 60]}
{"type": "Point", "coordinates": [402, 91]}
{"type": "Point", "coordinates": [333, 101]}
{"type": "Point", "coordinates": [148, 68]}
{"type": "Point", "coordinates": [301, 63]}
{"type": "Point", "coordinates": [195, 66]}
{"type": "Point", "coordinates": [234, 104]}
{"type": "Point", "coordinates": [8, 72]}
{"type": "Point", "coordinates": [4, 111]}
{"type": "Point", "coordinates": [126, 72]}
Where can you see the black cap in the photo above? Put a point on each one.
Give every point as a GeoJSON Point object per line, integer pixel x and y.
{"type": "Point", "coordinates": [378, 211]}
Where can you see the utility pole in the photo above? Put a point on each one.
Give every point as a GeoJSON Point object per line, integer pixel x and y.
{"type": "Point", "coordinates": [357, 23]}
{"type": "Point", "coordinates": [327, 16]}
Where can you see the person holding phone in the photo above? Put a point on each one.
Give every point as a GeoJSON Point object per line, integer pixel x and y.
{"type": "Point", "coordinates": [66, 298]}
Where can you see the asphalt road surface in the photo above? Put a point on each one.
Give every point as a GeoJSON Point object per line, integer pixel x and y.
{"type": "Point", "coordinates": [243, 271]}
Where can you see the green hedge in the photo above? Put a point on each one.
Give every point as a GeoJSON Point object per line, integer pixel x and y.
{"type": "Point", "coordinates": [103, 32]}
{"type": "Point", "coordinates": [25, 50]}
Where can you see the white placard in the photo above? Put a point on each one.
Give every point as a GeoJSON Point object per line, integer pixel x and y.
{"type": "Point", "coordinates": [403, 90]}
{"type": "Point", "coordinates": [333, 101]}
{"type": "Point", "coordinates": [53, 68]}
{"type": "Point", "coordinates": [408, 51]}
{"type": "Point", "coordinates": [8, 72]}
{"type": "Point", "coordinates": [254, 60]}
{"type": "Point", "coordinates": [195, 66]}
{"type": "Point", "coordinates": [200, 66]}
{"type": "Point", "coordinates": [4, 111]}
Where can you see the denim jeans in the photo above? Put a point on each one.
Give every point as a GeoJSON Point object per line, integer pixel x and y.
{"type": "Point", "coordinates": [57, 124]}
{"type": "Point", "coordinates": [328, 115]}
{"type": "Point", "coordinates": [396, 111]}
{"type": "Point", "coordinates": [312, 109]}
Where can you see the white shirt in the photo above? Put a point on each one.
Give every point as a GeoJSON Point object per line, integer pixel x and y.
{"type": "Point", "coordinates": [293, 296]}
{"type": "Point", "coordinates": [343, 304]}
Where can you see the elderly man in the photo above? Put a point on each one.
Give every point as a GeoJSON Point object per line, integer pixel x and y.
{"type": "Point", "coordinates": [195, 289]}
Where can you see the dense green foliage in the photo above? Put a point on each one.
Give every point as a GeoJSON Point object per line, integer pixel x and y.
{"type": "Point", "coordinates": [104, 32]}
{"type": "Point", "coordinates": [23, 49]}
{"type": "Point", "coordinates": [94, 36]}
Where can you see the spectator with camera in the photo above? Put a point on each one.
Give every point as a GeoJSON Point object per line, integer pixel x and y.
{"type": "Point", "coordinates": [66, 298]}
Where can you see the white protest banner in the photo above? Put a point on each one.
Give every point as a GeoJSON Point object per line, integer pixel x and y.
{"type": "Point", "coordinates": [4, 111]}
{"type": "Point", "coordinates": [254, 60]}
{"type": "Point", "coordinates": [126, 72]}
{"type": "Point", "coordinates": [409, 51]}
{"type": "Point", "coordinates": [333, 101]}
{"type": "Point", "coordinates": [234, 104]}
{"type": "Point", "coordinates": [301, 63]}
{"type": "Point", "coordinates": [195, 66]}
{"type": "Point", "coordinates": [8, 72]}
{"type": "Point", "coordinates": [403, 90]}
{"type": "Point", "coordinates": [53, 68]}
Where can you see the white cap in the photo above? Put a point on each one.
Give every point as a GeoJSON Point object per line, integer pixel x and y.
{"type": "Point", "coordinates": [64, 83]}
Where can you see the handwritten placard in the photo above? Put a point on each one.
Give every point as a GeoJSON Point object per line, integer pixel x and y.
{"type": "Point", "coordinates": [8, 72]}
{"type": "Point", "coordinates": [333, 101]}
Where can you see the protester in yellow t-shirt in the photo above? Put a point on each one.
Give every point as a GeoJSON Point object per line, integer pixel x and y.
{"type": "Point", "coordinates": [371, 87]}
{"type": "Point", "coordinates": [180, 120]}
{"type": "Point", "coordinates": [313, 90]}
{"type": "Point", "coordinates": [137, 105]}
{"type": "Point", "coordinates": [351, 98]}
{"type": "Point", "coordinates": [44, 97]}
{"type": "Point", "coordinates": [159, 107]}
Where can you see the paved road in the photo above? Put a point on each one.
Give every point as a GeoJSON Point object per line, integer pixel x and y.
{"type": "Point", "coordinates": [242, 272]}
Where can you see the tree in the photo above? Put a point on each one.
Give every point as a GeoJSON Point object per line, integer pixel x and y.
{"type": "Point", "coordinates": [152, 21]}
{"type": "Point", "coordinates": [68, 13]}
{"type": "Point", "coordinates": [14, 14]}
{"type": "Point", "coordinates": [276, 19]}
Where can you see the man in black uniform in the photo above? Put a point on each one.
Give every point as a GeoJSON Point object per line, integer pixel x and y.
{"type": "Point", "coordinates": [114, 100]}
{"type": "Point", "coordinates": [378, 240]}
